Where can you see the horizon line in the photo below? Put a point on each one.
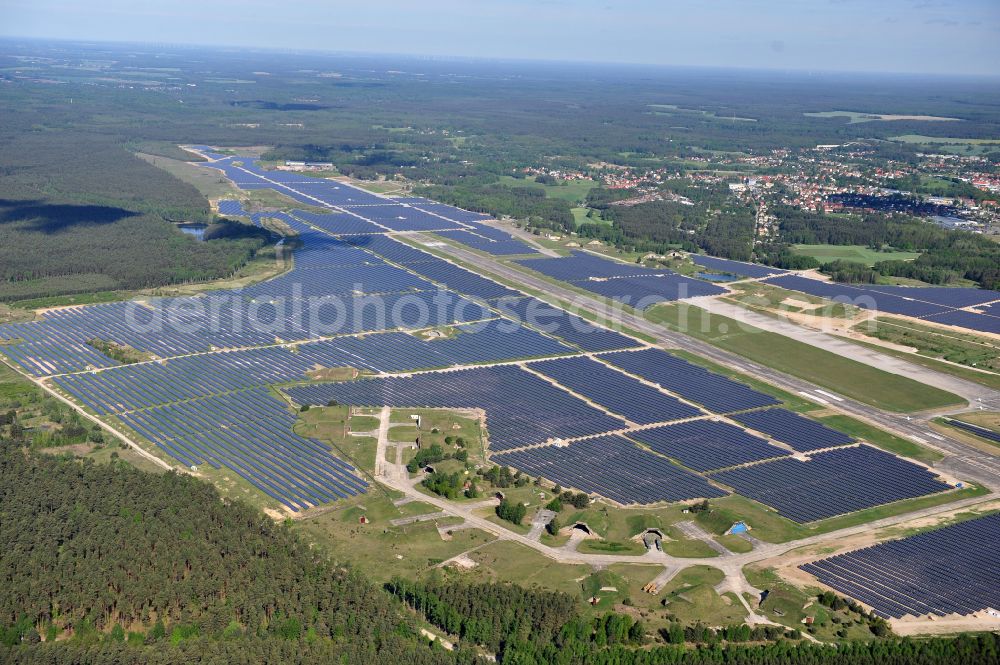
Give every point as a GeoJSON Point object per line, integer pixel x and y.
{"type": "Point", "coordinates": [506, 59]}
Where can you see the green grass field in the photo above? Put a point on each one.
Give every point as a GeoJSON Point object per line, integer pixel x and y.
{"type": "Point", "coordinates": [891, 392]}
{"type": "Point", "coordinates": [378, 549]}
{"type": "Point", "coordinates": [580, 217]}
{"type": "Point", "coordinates": [574, 191]}
{"type": "Point", "coordinates": [857, 253]}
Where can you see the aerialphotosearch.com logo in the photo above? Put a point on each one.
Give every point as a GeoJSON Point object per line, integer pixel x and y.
{"type": "Point", "coordinates": [300, 313]}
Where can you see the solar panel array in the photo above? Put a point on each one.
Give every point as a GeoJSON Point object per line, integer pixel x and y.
{"type": "Point", "coordinates": [796, 431]}
{"type": "Point", "coordinates": [399, 217]}
{"type": "Point", "coordinates": [580, 266]}
{"type": "Point", "coordinates": [461, 280]}
{"type": "Point", "coordinates": [951, 570]}
{"type": "Point", "coordinates": [613, 467]}
{"type": "Point", "coordinates": [831, 483]}
{"type": "Point", "coordinates": [617, 392]}
{"type": "Point", "coordinates": [706, 445]}
{"type": "Point", "coordinates": [697, 384]}
{"type": "Point", "coordinates": [338, 222]}
{"type": "Point", "coordinates": [251, 434]}
{"type": "Point", "coordinates": [634, 285]}
{"type": "Point", "coordinates": [174, 327]}
{"type": "Point", "coordinates": [989, 323]}
{"type": "Point", "coordinates": [138, 386]}
{"type": "Point", "coordinates": [645, 291]}
{"type": "Point", "coordinates": [230, 207]}
{"type": "Point", "coordinates": [935, 304]}
{"type": "Point", "coordinates": [392, 250]}
{"type": "Point", "coordinates": [569, 327]}
{"type": "Point", "coordinates": [478, 239]}
{"type": "Point", "coordinates": [449, 212]}
{"type": "Point", "coordinates": [521, 408]}
{"type": "Point", "coordinates": [740, 268]}
{"type": "Point", "coordinates": [976, 429]}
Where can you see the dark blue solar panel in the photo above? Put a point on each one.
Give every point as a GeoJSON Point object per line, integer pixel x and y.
{"type": "Point", "coordinates": [704, 445]}
{"type": "Point", "coordinates": [521, 408]}
{"type": "Point", "coordinates": [450, 212]}
{"type": "Point", "coordinates": [800, 433]}
{"type": "Point", "coordinates": [615, 391]}
{"type": "Point", "coordinates": [976, 429]}
{"type": "Point", "coordinates": [935, 304]}
{"type": "Point", "coordinates": [583, 265]}
{"type": "Point", "coordinates": [251, 434]}
{"type": "Point", "coordinates": [554, 321]}
{"type": "Point", "coordinates": [835, 482]}
{"type": "Point", "coordinates": [393, 250]}
{"type": "Point", "coordinates": [339, 223]}
{"type": "Point", "coordinates": [947, 296]}
{"type": "Point", "coordinates": [612, 467]}
{"type": "Point", "coordinates": [461, 280]}
{"type": "Point", "coordinates": [717, 393]}
{"type": "Point", "coordinates": [951, 570]}
{"type": "Point", "coordinates": [970, 320]}
{"type": "Point", "coordinates": [498, 247]}
{"type": "Point", "coordinates": [642, 292]}
{"type": "Point", "coordinates": [735, 267]}
{"type": "Point", "coordinates": [860, 297]}
{"type": "Point", "coordinates": [229, 207]}
{"type": "Point", "coordinates": [402, 218]}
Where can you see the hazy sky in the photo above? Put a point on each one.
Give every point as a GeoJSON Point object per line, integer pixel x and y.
{"type": "Point", "coordinates": [960, 36]}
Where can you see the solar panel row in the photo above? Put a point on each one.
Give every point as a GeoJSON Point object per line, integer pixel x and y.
{"type": "Point", "coordinates": [612, 467]}
{"type": "Point", "coordinates": [521, 408]}
{"type": "Point", "coordinates": [706, 445]}
{"type": "Point", "coordinates": [715, 392]}
{"type": "Point", "coordinates": [569, 327]}
{"type": "Point", "coordinates": [790, 428]}
{"type": "Point", "coordinates": [617, 392]}
{"type": "Point", "coordinates": [739, 268]}
{"type": "Point", "coordinates": [831, 483]}
{"type": "Point", "coordinates": [497, 247]}
{"type": "Point", "coordinates": [581, 266]}
{"type": "Point", "coordinates": [174, 327]}
{"type": "Point", "coordinates": [951, 570]}
{"type": "Point", "coordinates": [251, 434]}
{"type": "Point", "coordinates": [976, 429]}
{"type": "Point", "coordinates": [139, 386]}
{"type": "Point", "coordinates": [643, 292]}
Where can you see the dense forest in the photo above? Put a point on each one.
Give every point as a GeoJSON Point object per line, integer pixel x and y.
{"type": "Point", "coordinates": [105, 558]}
{"type": "Point", "coordinates": [80, 213]}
